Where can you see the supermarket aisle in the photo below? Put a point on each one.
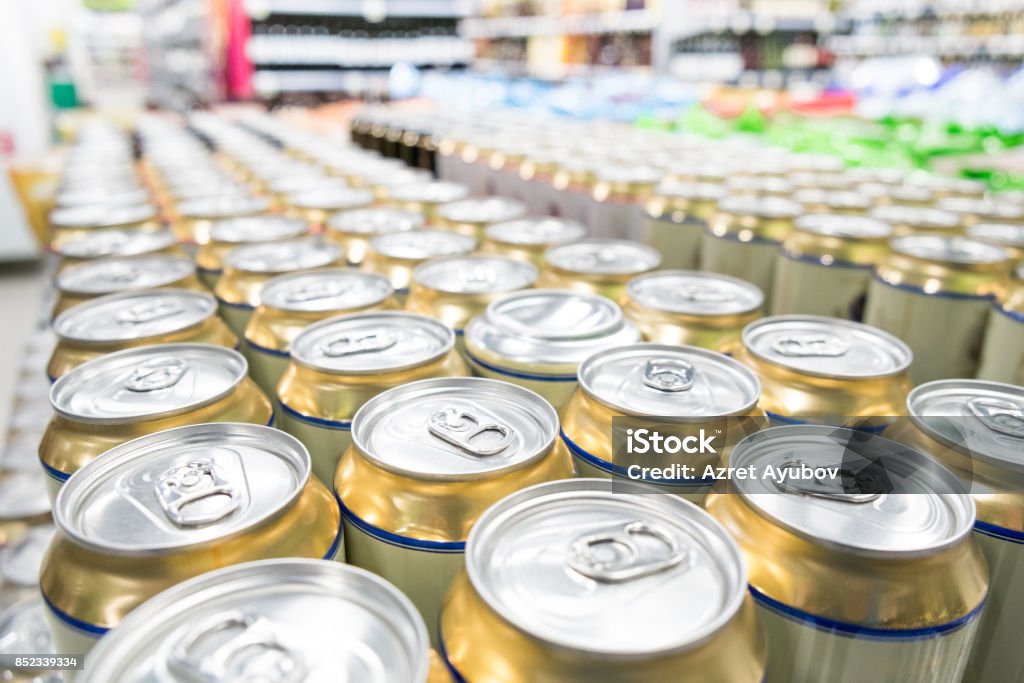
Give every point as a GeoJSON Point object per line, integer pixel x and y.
{"type": "Point", "coordinates": [21, 290]}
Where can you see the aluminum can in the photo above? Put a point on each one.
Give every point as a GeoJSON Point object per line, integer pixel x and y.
{"type": "Point", "coordinates": [931, 285]}
{"type": "Point", "coordinates": [313, 619]}
{"type": "Point", "coordinates": [743, 238]}
{"type": "Point", "coordinates": [73, 223]}
{"type": "Point", "coordinates": [316, 205]}
{"type": "Point", "coordinates": [696, 389]}
{"type": "Point", "coordinates": [976, 429]}
{"type": "Point", "coordinates": [912, 220]}
{"type": "Point", "coordinates": [396, 255]}
{"type": "Point", "coordinates": [103, 194]}
{"type": "Point", "coordinates": [948, 186]}
{"type": "Point", "coordinates": [566, 581]}
{"type": "Point", "coordinates": [383, 183]}
{"type": "Point", "coordinates": [115, 398]}
{"type": "Point", "coordinates": [832, 202]}
{"type": "Point", "coordinates": [426, 198]}
{"type": "Point", "coordinates": [101, 277]}
{"type": "Point", "coordinates": [23, 505]}
{"type": "Point", "coordinates": [758, 186]}
{"type": "Point", "coordinates": [820, 180]}
{"type": "Point", "coordinates": [986, 210]}
{"type": "Point", "coordinates": [291, 302]}
{"type": "Point", "coordinates": [536, 174]}
{"type": "Point", "coordinates": [248, 268]}
{"type": "Point", "coordinates": [1006, 235]}
{"type": "Point", "coordinates": [692, 307]}
{"type": "Point", "coordinates": [908, 551]}
{"type": "Point", "coordinates": [1002, 354]}
{"type": "Point", "coordinates": [232, 233]}
{"type": "Point", "coordinates": [116, 242]}
{"type": "Point", "coordinates": [353, 230]}
{"type": "Point", "coordinates": [526, 239]}
{"type": "Point", "coordinates": [901, 194]}
{"type": "Point", "coordinates": [824, 266]}
{"type": "Point", "coordinates": [339, 364]}
{"type": "Point", "coordinates": [827, 370]}
{"type": "Point", "coordinates": [597, 266]}
{"type": "Point", "coordinates": [618, 199]}
{"type": "Point", "coordinates": [26, 632]}
{"type": "Point", "coordinates": [676, 218]}
{"type": "Point", "coordinates": [169, 506]}
{"type": "Point", "coordinates": [472, 216]}
{"type": "Point", "coordinates": [537, 338]}
{"type": "Point", "coordinates": [426, 460]}
{"type": "Point", "coordinates": [194, 218]}
{"type": "Point", "coordinates": [573, 183]}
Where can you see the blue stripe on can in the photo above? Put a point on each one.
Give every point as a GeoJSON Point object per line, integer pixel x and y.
{"type": "Point", "coordinates": [623, 472]}
{"type": "Point", "coordinates": [520, 375]}
{"type": "Point", "coordinates": [333, 550]}
{"type": "Point", "coordinates": [816, 261]}
{"type": "Point", "coordinates": [318, 421]}
{"type": "Point", "coordinates": [857, 631]}
{"type": "Point", "coordinates": [54, 473]}
{"type": "Point", "coordinates": [51, 378]}
{"type": "Point", "coordinates": [1012, 315]}
{"type": "Point", "coordinates": [1002, 533]}
{"type": "Point", "coordinates": [84, 626]}
{"type": "Point", "coordinates": [229, 304]}
{"type": "Point", "coordinates": [456, 675]}
{"type": "Point", "coordinates": [445, 547]}
{"type": "Point", "coordinates": [267, 350]}
{"type": "Point", "coordinates": [943, 295]}
{"type": "Point", "coordinates": [733, 238]}
{"type": "Point", "coordinates": [785, 419]}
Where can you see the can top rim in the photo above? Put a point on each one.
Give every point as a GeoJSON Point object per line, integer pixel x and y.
{"type": "Point", "coordinates": [324, 289]}
{"type": "Point", "coordinates": [419, 245]}
{"type": "Point", "coordinates": [475, 274]}
{"type": "Point", "coordinates": [482, 210]}
{"type": "Point", "coordinates": [116, 242]}
{"type": "Point", "coordinates": [113, 312]}
{"type": "Point", "coordinates": [957, 250]}
{"type": "Point", "coordinates": [374, 221]}
{"type": "Point", "coordinates": [694, 293]}
{"type": "Point", "coordinates": [94, 216]}
{"type": "Point", "coordinates": [603, 257]}
{"type": "Point", "coordinates": [283, 257]}
{"type": "Point", "coordinates": [257, 228]}
{"type": "Point", "coordinates": [330, 198]}
{"type": "Point", "coordinates": [124, 273]}
{"type": "Point", "coordinates": [222, 206]}
{"type": "Point", "coordinates": [1004, 234]}
{"type": "Point", "coordinates": [536, 231]}
{"type": "Point", "coordinates": [430, 192]}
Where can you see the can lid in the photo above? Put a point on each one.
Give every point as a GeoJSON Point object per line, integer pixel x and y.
{"type": "Point", "coordinates": [1002, 234]}
{"type": "Point", "coordinates": [455, 428]}
{"type": "Point", "coordinates": [182, 487]}
{"type": "Point", "coordinates": [22, 495]}
{"type": "Point", "coordinates": [99, 215]}
{"type": "Point", "coordinates": [695, 293]}
{"type": "Point", "coordinates": [310, 620]}
{"type": "Point", "coordinates": [256, 229]}
{"type": "Point", "coordinates": [369, 343]}
{"type": "Point", "coordinates": [556, 560]}
{"type": "Point", "coordinates": [759, 184]}
{"type": "Point", "coordinates": [21, 559]}
{"type": "Point", "coordinates": [328, 289]}
{"type": "Point", "coordinates": [475, 274]}
{"type": "Point", "coordinates": [989, 209]}
{"type": "Point", "coordinates": [116, 243]}
{"type": "Point", "coordinates": [604, 257]}
{"type": "Point", "coordinates": [669, 381]}
{"type": "Point", "coordinates": [331, 198]}
{"type": "Point", "coordinates": [25, 630]}
{"type": "Point", "coordinates": [692, 191]}
{"type": "Point", "coordinates": [124, 274]}
{"type": "Point", "coordinates": [826, 347]}
{"type": "Point", "coordinates": [374, 221]}
{"type": "Point", "coordinates": [922, 510]}
{"type": "Point", "coordinates": [550, 326]}
{"type": "Point", "coordinates": [536, 231]}
{"type": "Point", "coordinates": [763, 207]}
{"type": "Point", "coordinates": [147, 382]}
{"type": "Point", "coordinates": [483, 210]}
{"type": "Point", "coordinates": [846, 227]}
{"type": "Point", "coordinates": [433, 192]}
{"type": "Point", "coordinates": [917, 217]}
{"type": "Point", "coordinates": [102, 195]}
{"type": "Point", "coordinates": [985, 420]}
{"type": "Point", "coordinates": [422, 244]}
{"type": "Point", "coordinates": [223, 206]}
{"type": "Point", "coordinates": [283, 257]}
{"type": "Point", "coordinates": [303, 179]}
{"type": "Point", "coordinates": [949, 249]}
{"type": "Point", "coordinates": [396, 177]}
{"type": "Point", "coordinates": [838, 199]}
{"type": "Point", "coordinates": [134, 315]}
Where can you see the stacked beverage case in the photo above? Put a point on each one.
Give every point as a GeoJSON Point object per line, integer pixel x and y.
{"type": "Point", "coordinates": [239, 404]}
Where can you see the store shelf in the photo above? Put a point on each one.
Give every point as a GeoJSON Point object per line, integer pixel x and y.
{"type": "Point", "coordinates": [1003, 46]}
{"type": "Point", "coordinates": [270, 51]}
{"type": "Point", "coordinates": [578, 24]}
{"type": "Point", "coordinates": [261, 9]}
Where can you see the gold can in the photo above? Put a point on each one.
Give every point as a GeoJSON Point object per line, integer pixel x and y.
{"type": "Point", "coordinates": [824, 266]}
{"type": "Point", "coordinates": [618, 199]}
{"type": "Point", "coordinates": [353, 230]}
{"type": "Point", "coordinates": [169, 506]}
{"type": "Point", "coordinates": [573, 184]}
{"type": "Point", "coordinates": [101, 277]}
{"type": "Point", "coordinates": [248, 268]}
{"type": "Point", "coordinates": [912, 220]}
{"type": "Point", "coordinates": [115, 398]}
{"type": "Point", "coordinates": [692, 308]}
{"type": "Point", "coordinates": [395, 255]}
{"type": "Point", "coordinates": [339, 364]}
{"type": "Point", "coordinates": [289, 303]}
{"type": "Point", "coordinates": [1002, 353]}
{"type": "Point", "coordinates": [566, 581]}
{"type": "Point", "coordinates": [743, 238]}
{"type": "Point", "coordinates": [1006, 235]}
{"type": "Point", "coordinates": [526, 239]}
{"type": "Point", "coordinates": [832, 202]}
{"type": "Point", "coordinates": [230, 233]}
{"type": "Point", "coordinates": [427, 458]}
{"type": "Point", "coordinates": [827, 370]}
{"type": "Point", "coordinates": [73, 223]}
{"type": "Point", "coordinates": [114, 243]}
{"type": "Point", "coordinates": [930, 288]}
{"type": "Point", "coordinates": [676, 218]}
{"type": "Point", "coordinates": [597, 266]}
{"type": "Point", "coordinates": [536, 174]}
{"type": "Point", "coordinates": [472, 216]}
{"type": "Point", "coordinates": [426, 198]}
{"type": "Point", "coordinates": [194, 218]}
{"type": "Point", "coordinates": [316, 205]}
{"type": "Point", "coordinates": [972, 211]}
{"type": "Point", "coordinates": [758, 186]}
{"type": "Point", "coordinates": [121, 321]}
{"type": "Point", "coordinates": [831, 520]}
{"type": "Point", "coordinates": [383, 183]}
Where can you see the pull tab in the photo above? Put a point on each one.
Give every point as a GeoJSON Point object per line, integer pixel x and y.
{"type": "Point", "coordinates": [156, 374]}
{"type": "Point", "coordinates": [704, 295]}
{"type": "Point", "coordinates": [479, 278]}
{"type": "Point", "coordinates": [598, 257]}
{"type": "Point", "coordinates": [350, 346]}
{"type": "Point", "coordinates": [250, 652]}
{"type": "Point", "coordinates": [668, 374]}
{"type": "Point", "coordinates": [149, 311]}
{"type": "Point", "coordinates": [123, 273]}
{"type": "Point", "coordinates": [315, 292]}
{"type": "Point", "coordinates": [804, 345]}
{"type": "Point", "coordinates": [103, 244]}
{"type": "Point", "coordinates": [196, 485]}
{"type": "Point", "coordinates": [614, 556]}
{"type": "Point", "coordinates": [461, 427]}
{"type": "Point", "coordinates": [1005, 417]}
{"type": "Point", "coordinates": [817, 488]}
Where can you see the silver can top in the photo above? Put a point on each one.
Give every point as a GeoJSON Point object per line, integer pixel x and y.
{"type": "Point", "coordinates": [691, 292]}
{"type": "Point", "coordinates": [949, 249]}
{"type": "Point", "coordinates": [182, 487]}
{"type": "Point", "coordinates": [374, 221]}
{"type": "Point", "coordinates": [604, 257]}
{"type": "Point", "coordinates": [550, 327]}
{"type": "Point", "coordinates": [134, 315]}
{"type": "Point", "coordinates": [989, 209]}
{"type": "Point", "coordinates": [475, 274]}
{"type": "Point", "coordinates": [1002, 234]}
{"type": "Point", "coordinates": [103, 243]}
{"type": "Point", "coordinates": [331, 198]}
{"type": "Point", "coordinates": [26, 631]}
{"type": "Point", "coordinates": [982, 419]}
{"type": "Point", "coordinates": [283, 257]}
{"type": "Point", "coordinates": [845, 227]}
{"type": "Point", "coordinates": [308, 620]}
{"type": "Point", "coordinates": [907, 505]}
{"type": "Point", "coordinates": [826, 347]}
{"type": "Point", "coordinates": [22, 558]}
{"type": "Point", "coordinates": [419, 245]}
{"type": "Point", "coordinates": [690, 191]}
{"type": "Point", "coordinates": [101, 215]}
{"type": "Point", "coordinates": [577, 543]}
{"type": "Point", "coordinates": [147, 382]}
{"type": "Point", "coordinates": [762, 207]}
{"type": "Point", "coordinates": [455, 428]}
{"type": "Point", "coordinates": [223, 206]}
{"type": "Point", "coordinates": [22, 495]}
{"type": "Point", "coordinates": [124, 274]}
{"type": "Point", "coordinates": [669, 381]}
{"type": "Point", "coordinates": [917, 217]}
{"type": "Point", "coordinates": [327, 289]}
{"type": "Point", "coordinates": [483, 210]}
{"type": "Point", "coordinates": [257, 229]}
{"type": "Point", "coordinates": [433, 192]}
{"type": "Point", "coordinates": [370, 343]}
{"type": "Point", "coordinates": [128, 194]}
{"type": "Point", "coordinates": [536, 231]}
